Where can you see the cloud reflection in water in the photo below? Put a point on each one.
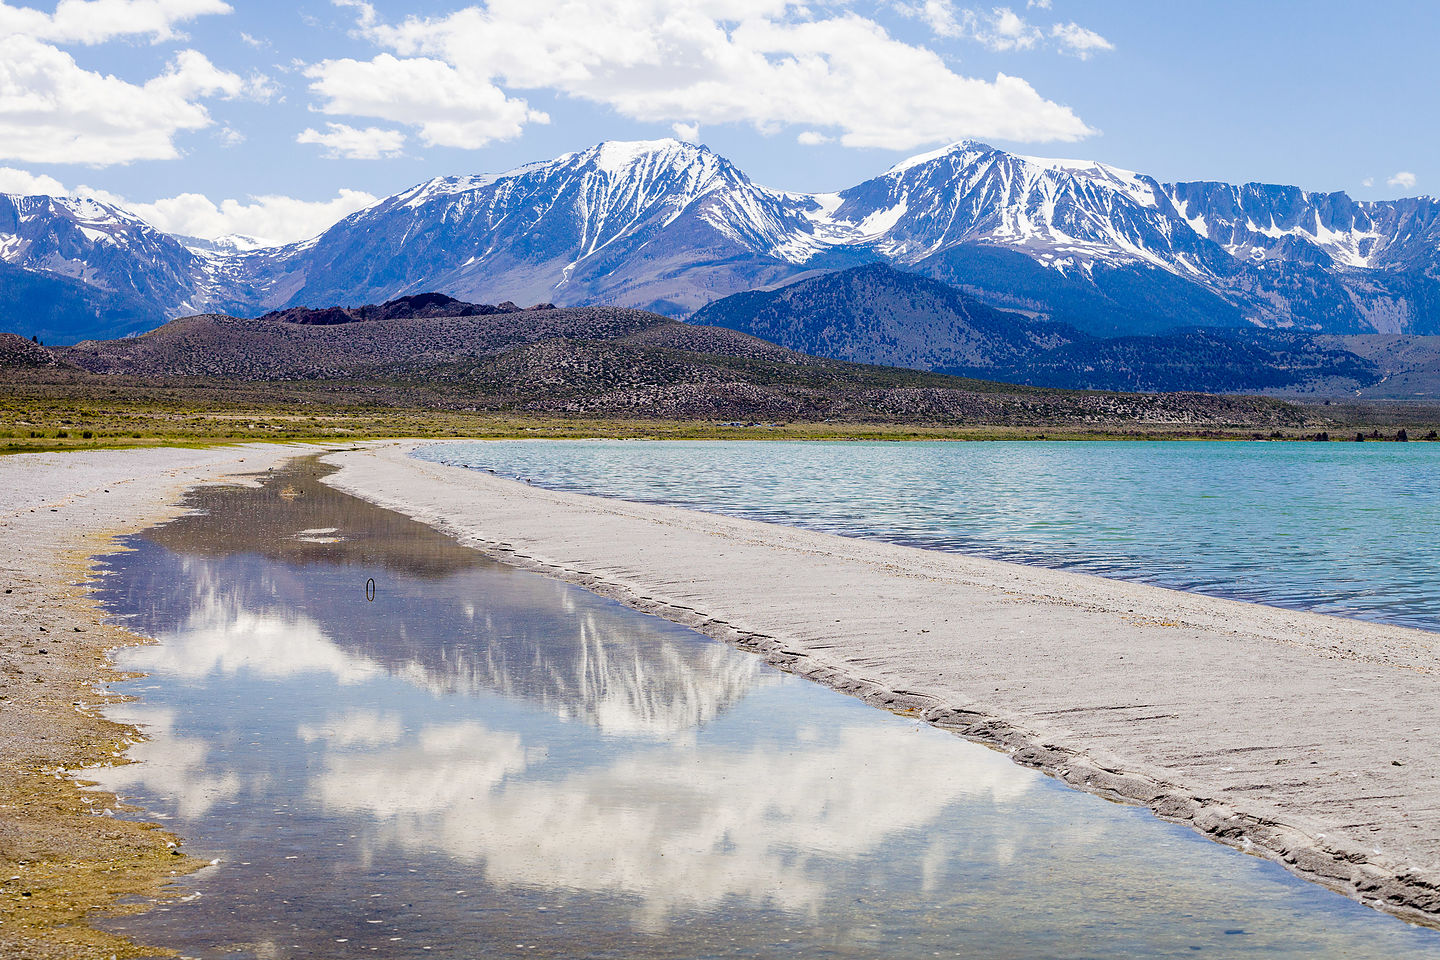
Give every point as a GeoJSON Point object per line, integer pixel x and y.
{"type": "Point", "coordinates": [677, 827]}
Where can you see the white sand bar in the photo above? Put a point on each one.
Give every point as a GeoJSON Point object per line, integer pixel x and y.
{"type": "Point", "coordinates": [1311, 739]}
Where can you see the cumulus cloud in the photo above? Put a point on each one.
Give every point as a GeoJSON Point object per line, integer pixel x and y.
{"type": "Point", "coordinates": [1404, 178]}
{"type": "Point", "coordinates": [26, 184]}
{"type": "Point", "coordinates": [342, 141]}
{"type": "Point", "coordinates": [1368, 182]}
{"type": "Point", "coordinates": [689, 132]}
{"type": "Point", "coordinates": [770, 64]}
{"type": "Point", "coordinates": [96, 21]}
{"type": "Point", "coordinates": [269, 218]}
{"type": "Point", "coordinates": [1075, 39]}
{"type": "Point", "coordinates": [451, 107]}
{"type": "Point", "coordinates": [54, 111]}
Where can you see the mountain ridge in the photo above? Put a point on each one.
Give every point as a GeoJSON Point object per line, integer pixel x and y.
{"type": "Point", "coordinates": [880, 315]}
{"type": "Point", "coordinates": [671, 226]}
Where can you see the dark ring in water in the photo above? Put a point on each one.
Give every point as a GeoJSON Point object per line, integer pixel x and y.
{"type": "Point", "coordinates": [370, 589]}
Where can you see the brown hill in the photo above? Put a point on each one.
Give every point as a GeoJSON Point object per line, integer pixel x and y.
{"type": "Point", "coordinates": [606, 362]}
{"type": "Point", "coordinates": [17, 351]}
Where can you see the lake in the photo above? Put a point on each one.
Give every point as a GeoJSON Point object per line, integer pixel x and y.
{"type": "Point", "coordinates": [480, 761]}
{"type": "Point", "coordinates": [1345, 528]}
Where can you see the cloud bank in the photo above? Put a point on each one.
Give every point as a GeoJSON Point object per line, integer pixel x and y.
{"type": "Point", "coordinates": [770, 64]}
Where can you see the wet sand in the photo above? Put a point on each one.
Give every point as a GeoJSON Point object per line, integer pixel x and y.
{"type": "Point", "coordinates": [1308, 739]}
{"type": "Point", "coordinates": [58, 860]}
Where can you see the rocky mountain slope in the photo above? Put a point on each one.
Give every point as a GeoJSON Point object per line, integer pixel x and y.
{"type": "Point", "coordinates": [671, 226]}
{"type": "Point", "coordinates": [877, 314]}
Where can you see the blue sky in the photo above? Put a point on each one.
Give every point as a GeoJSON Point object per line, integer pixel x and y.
{"type": "Point", "coordinates": [217, 116]}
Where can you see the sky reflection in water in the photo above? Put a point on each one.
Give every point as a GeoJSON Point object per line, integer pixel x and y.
{"type": "Point", "coordinates": [483, 762]}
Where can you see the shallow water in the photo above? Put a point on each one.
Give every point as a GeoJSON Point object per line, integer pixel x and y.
{"type": "Point", "coordinates": [484, 762]}
{"type": "Point", "coordinates": [1343, 528]}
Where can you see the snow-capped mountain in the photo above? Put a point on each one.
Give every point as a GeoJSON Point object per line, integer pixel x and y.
{"type": "Point", "coordinates": [1069, 214]}
{"type": "Point", "coordinates": [1137, 254]}
{"type": "Point", "coordinates": [672, 226]}
{"type": "Point", "coordinates": [659, 223]}
{"type": "Point", "coordinates": [89, 268]}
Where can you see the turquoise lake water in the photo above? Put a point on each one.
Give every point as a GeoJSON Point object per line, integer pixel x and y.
{"type": "Point", "coordinates": [1343, 528]}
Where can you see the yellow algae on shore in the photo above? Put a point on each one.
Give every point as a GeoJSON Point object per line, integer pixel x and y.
{"type": "Point", "coordinates": [63, 860]}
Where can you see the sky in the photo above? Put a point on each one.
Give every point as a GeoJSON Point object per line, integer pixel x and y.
{"type": "Point", "coordinates": [274, 119]}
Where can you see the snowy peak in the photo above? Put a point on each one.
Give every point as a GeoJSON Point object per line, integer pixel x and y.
{"type": "Point", "coordinates": [557, 230]}
{"type": "Point", "coordinates": [677, 169]}
{"type": "Point", "coordinates": [24, 220]}
{"type": "Point", "coordinates": [1069, 213]}
{"type": "Point", "coordinates": [1255, 221]}
{"type": "Point", "coordinates": [230, 245]}
{"type": "Point", "coordinates": [960, 152]}
{"type": "Point", "coordinates": [84, 239]}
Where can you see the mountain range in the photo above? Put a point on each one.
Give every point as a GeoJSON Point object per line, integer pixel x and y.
{"type": "Point", "coordinates": [671, 226]}
{"type": "Point", "coordinates": [880, 315]}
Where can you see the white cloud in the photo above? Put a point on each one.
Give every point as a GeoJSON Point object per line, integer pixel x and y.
{"type": "Point", "coordinates": [54, 111]}
{"type": "Point", "coordinates": [1077, 40]}
{"type": "Point", "coordinates": [810, 138]}
{"type": "Point", "coordinates": [672, 846]}
{"type": "Point", "coordinates": [1368, 182]}
{"type": "Point", "coordinates": [166, 764]}
{"type": "Point", "coordinates": [354, 728]}
{"type": "Point", "coordinates": [269, 218]}
{"type": "Point", "coordinates": [767, 63]}
{"type": "Point", "coordinates": [96, 21]}
{"type": "Point", "coordinates": [260, 88]}
{"type": "Point", "coordinates": [1404, 179]}
{"type": "Point", "coordinates": [941, 16]}
{"type": "Point", "coordinates": [1001, 28]}
{"type": "Point", "coordinates": [1006, 30]}
{"type": "Point", "coordinates": [223, 638]}
{"type": "Point", "coordinates": [689, 132]}
{"type": "Point", "coordinates": [451, 107]}
{"type": "Point", "coordinates": [26, 184]}
{"type": "Point", "coordinates": [346, 142]}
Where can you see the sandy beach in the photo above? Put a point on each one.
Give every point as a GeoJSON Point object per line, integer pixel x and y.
{"type": "Point", "coordinates": [1305, 738]}
{"type": "Point", "coordinates": [60, 861]}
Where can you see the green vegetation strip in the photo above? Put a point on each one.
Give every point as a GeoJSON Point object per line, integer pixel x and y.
{"type": "Point", "coordinates": [63, 412]}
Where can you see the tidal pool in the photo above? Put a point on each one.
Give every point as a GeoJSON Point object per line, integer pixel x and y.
{"type": "Point", "coordinates": [482, 762]}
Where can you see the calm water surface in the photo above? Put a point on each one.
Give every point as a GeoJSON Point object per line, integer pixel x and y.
{"type": "Point", "coordinates": [485, 763]}
{"type": "Point", "coordinates": [1344, 528]}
